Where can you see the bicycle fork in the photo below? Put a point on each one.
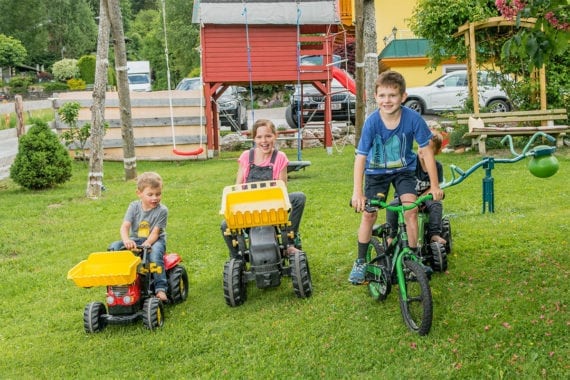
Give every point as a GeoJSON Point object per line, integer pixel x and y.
{"type": "Point", "coordinates": [399, 264]}
{"type": "Point", "coordinates": [399, 257]}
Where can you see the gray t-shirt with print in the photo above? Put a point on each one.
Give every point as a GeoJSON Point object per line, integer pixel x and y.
{"type": "Point", "coordinates": [143, 222]}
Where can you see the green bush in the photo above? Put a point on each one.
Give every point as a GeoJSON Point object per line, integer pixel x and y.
{"type": "Point", "coordinates": [86, 66]}
{"type": "Point", "coordinates": [456, 138]}
{"type": "Point", "coordinates": [42, 162]}
{"type": "Point", "coordinates": [65, 69]}
{"type": "Point", "coordinates": [19, 84]}
{"type": "Point", "coordinates": [111, 76]}
{"type": "Point", "coordinates": [76, 84]}
{"type": "Point", "coordinates": [55, 86]}
{"type": "Point", "coordinates": [76, 136]}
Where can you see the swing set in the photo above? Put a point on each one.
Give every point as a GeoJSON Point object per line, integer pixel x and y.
{"type": "Point", "coordinates": [175, 150]}
{"type": "Point", "coordinates": [262, 42]}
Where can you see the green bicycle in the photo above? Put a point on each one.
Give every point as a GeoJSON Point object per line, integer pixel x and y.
{"type": "Point", "coordinates": [396, 263]}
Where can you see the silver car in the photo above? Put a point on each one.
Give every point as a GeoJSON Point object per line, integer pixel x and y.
{"type": "Point", "coordinates": [449, 92]}
{"type": "Point", "coordinates": [231, 104]}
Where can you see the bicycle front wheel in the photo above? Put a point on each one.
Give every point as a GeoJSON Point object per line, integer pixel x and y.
{"type": "Point", "coordinates": [417, 307]}
{"type": "Point", "coordinates": [378, 270]}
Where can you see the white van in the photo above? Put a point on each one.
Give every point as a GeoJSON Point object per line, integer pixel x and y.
{"type": "Point", "coordinates": [138, 73]}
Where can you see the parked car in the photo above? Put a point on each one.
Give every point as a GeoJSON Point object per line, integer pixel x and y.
{"type": "Point", "coordinates": [343, 104]}
{"type": "Point", "coordinates": [188, 84]}
{"type": "Point", "coordinates": [318, 60]}
{"type": "Point", "coordinates": [450, 91]}
{"type": "Point", "coordinates": [231, 104]}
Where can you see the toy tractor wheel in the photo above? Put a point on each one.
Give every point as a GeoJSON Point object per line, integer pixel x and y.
{"type": "Point", "coordinates": [439, 257]}
{"type": "Point", "coordinates": [153, 313]}
{"type": "Point", "coordinates": [235, 291]}
{"type": "Point", "coordinates": [93, 320]}
{"type": "Point", "coordinates": [301, 275]}
{"type": "Point", "coordinates": [446, 234]}
{"type": "Point", "coordinates": [178, 284]}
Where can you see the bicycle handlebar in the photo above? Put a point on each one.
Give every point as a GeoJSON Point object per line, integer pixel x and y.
{"type": "Point", "coordinates": [379, 202]}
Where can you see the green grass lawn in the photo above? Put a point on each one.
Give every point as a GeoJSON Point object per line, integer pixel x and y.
{"type": "Point", "coordinates": [500, 311]}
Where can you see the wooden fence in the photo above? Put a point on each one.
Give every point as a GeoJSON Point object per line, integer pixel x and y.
{"type": "Point", "coordinates": [157, 127]}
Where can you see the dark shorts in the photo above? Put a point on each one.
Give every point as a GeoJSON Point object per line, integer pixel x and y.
{"type": "Point", "coordinates": [403, 182]}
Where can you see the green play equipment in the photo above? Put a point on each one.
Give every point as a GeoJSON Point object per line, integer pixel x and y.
{"type": "Point", "coordinates": [542, 164]}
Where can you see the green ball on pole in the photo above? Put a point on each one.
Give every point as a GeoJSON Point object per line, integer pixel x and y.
{"type": "Point", "coordinates": [543, 166]}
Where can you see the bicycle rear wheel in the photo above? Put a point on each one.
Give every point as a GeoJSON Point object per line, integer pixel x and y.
{"type": "Point", "coordinates": [417, 309]}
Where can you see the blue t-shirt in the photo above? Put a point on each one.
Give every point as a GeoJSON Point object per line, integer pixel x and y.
{"type": "Point", "coordinates": [390, 151]}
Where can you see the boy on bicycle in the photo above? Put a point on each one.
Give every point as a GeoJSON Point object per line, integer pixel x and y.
{"type": "Point", "coordinates": [385, 157]}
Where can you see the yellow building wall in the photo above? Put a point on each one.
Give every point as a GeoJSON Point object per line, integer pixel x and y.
{"type": "Point", "coordinates": [390, 14]}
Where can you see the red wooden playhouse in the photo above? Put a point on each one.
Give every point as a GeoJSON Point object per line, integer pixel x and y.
{"type": "Point", "coordinates": [261, 42]}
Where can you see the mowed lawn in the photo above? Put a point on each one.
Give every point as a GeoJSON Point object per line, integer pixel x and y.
{"type": "Point", "coordinates": [500, 311]}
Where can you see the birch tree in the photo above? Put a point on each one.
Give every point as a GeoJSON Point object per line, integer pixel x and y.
{"type": "Point", "coordinates": [95, 176]}
{"type": "Point", "coordinates": [116, 22]}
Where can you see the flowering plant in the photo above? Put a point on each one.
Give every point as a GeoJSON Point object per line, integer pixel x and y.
{"type": "Point", "coordinates": [551, 32]}
{"type": "Point", "coordinates": [65, 69]}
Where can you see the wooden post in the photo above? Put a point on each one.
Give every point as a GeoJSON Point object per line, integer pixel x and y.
{"type": "Point", "coordinates": [542, 85]}
{"type": "Point", "coordinates": [19, 107]}
{"type": "Point", "coordinates": [473, 85]}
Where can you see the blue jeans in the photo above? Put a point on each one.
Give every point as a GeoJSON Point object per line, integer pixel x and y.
{"type": "Point", "coordinates": [156, 256]}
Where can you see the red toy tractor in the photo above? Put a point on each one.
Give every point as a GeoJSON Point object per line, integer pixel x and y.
{"type": "Point", "coordinates": [130, 289]}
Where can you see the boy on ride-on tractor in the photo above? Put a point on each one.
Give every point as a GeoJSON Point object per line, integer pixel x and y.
{"type": "Point", "coordinates": [145, 224]}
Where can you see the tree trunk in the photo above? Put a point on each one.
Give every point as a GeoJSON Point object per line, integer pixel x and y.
{"type": "Point", "coordinates": [95, 177]}
{"type": "Point", "coordinates": [129, 157]}
{"type": "Point", "coordinates": [359, 70]}
{"type": "Point", "coordinates": [370, 55]}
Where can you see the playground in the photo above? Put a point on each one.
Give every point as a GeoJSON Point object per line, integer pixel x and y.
{"type": "Point", "coordinates": [499, 311]}
{"type": "Point", "coordinates": [500, 307]}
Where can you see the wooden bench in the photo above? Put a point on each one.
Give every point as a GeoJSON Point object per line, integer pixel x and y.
{"type": "Point", "coordinates": [515, 123]}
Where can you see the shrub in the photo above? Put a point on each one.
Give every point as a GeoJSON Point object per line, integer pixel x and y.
{"type": "Point", "coordinates": [55, 86]}
{"type": "Point", "coordinates": [76, 84]}
{"type": "Point", "coordinates": [19, 84]}
{"type": "Point", "coordinates": [65, 69]}
{"type": "Point", "coordinates": [456, 137]}
{"type": "Point", "coordinates": [86, 66]}
{"type": "Point", "coordinates": [75, 135]}
{"type": "Point", "coordinates": [111, 76]}
{"type": "Point", "coordinates": [42, 162]}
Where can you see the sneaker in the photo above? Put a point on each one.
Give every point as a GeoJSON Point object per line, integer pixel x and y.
{"type": "Point", "coordinates": [357, 274]}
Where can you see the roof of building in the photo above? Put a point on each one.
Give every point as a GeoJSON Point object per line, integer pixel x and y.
{"type": "Point", "coordinates": [281, 12]}
{"type": "Point", "coordinates": [405, 48]}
